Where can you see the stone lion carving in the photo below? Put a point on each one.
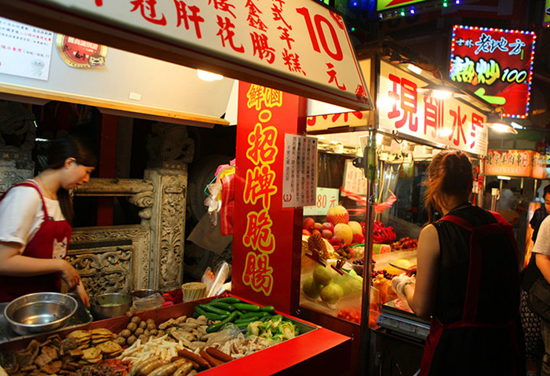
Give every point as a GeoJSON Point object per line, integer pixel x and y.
{"type": "Point", "coordinates": [170, 143]}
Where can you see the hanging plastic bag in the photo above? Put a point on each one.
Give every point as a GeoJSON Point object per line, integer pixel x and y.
{"type": "Point", "coordinates": [214, 279]}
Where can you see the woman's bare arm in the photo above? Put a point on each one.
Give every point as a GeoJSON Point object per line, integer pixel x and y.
{"type": "Point", "coordinates": [421, 296]}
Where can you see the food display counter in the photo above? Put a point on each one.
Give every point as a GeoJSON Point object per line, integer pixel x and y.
{"type": "Point", "coordinates": [380, 187]}
{"type": "Point", "coordinates": [314, 349]}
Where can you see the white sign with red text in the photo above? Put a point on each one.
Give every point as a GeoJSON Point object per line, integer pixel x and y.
{"type": "Point", "coordinates": [298, 41]}
{"type": "Point", "coordinates": [449, 122]}
{"type": "Point", "coordinates": [325, 198]}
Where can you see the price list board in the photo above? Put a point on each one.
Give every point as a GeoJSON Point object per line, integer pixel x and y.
{"type": "Point", "coordinates": [25, 50]}
{"type": "Point", "coordinates": [300, 171]}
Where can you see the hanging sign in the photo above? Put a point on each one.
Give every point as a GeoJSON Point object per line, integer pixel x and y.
{"type": "Point", "coordinates": [517, 163]}
{"type": "Point", "coordinates": [297, 46]}
{"type": "Point", "coordinates": [496, 65]}
{"type": "Point", "coordinates": [25, 50]}
{"type": "Point", "coordinates": [402, 109]}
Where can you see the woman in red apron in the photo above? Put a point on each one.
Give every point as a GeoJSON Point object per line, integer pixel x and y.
{"type": "Point", "coordinates": [35, 224]}
{"type": "Point", "coordinates": [467, 280]}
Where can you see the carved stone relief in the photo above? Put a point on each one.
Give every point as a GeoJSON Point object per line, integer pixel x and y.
{"type": "Point", "coordinates": [168, 226]}
{"type": "Point", "coordinates": [104, 269]}
{"type": "Point", "coordinates": [93, 246]}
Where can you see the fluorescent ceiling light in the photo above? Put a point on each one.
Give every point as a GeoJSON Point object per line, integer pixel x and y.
{"type": "Point", "coordinates": [500, 125]}
{"type": "Point", "coordinates": [441, 91]}
{"type": "Point", "coordinates": [208, 76]}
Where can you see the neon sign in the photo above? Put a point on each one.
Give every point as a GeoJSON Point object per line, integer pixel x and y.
{"type": "Point", "coordinates": [496, 65]}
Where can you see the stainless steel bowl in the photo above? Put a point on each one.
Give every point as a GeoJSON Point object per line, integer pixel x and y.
{"type": "Point", "coordinates": [40, 312]}
{"type": "Point", "coordinates": [143, 293]}
{"type": "Point", "coordinates": [109, 305]}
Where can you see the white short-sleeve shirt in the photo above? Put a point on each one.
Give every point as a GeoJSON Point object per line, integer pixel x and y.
{"type": "Point", "coordinates": [22, 214]}
{"type": "Point", "coordinates": [542, 245]}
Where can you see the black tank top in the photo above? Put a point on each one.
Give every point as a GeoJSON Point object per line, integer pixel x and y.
{"type": "Point", "coordinates": [499, 287]}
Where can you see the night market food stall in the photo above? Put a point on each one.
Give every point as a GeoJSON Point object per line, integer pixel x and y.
{"type": "Point", "coordinates": [176, 32]}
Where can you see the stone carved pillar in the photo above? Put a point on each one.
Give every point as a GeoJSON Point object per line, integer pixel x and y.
{"type": "Point", "coordinates": [170, 150]}
{"type": "Point", "coordinates": [167, 227]}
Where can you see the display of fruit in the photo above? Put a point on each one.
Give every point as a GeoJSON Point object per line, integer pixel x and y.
{"type": "Point", "coordinates": [345, 252]}
{"type": "Point", "coordinates": [358, 239]}
{"type": "Point", "coordinates": [343, 232]}
{"type": "Point", "coordinates": [331, 293]}
{"type": "Point", "coordinates": [382, 234]}
{"type": "Point", "coordinates": [356, 227]}
{"type": "Point", "coordinates": [316, 243]}
{"type": "Point", "coordinates": [350, 315]}
{"type": "Point", "coordinates": [311, 288]}
{"type": "Point", "coordinates": [349, 283]}
{"type": "Point", "coordinates": [337, 214]}
{"type": "Point", "coordinates": [322, 275]}
{"type": "Point", "coordinates": [405, 243]}
{"type": "Point", "coordinates": [326, 233]}
{"type": "Point", "coordinates": [309, 224]}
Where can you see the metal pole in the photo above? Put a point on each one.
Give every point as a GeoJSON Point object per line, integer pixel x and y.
{"type": "Point", "coordinates": [370, 166]}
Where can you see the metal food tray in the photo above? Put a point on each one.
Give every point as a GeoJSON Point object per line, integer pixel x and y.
{"type": "Point", "coordinates": [80, 318]}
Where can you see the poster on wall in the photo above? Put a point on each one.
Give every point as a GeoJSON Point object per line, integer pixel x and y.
{"type": "Point", "coordinates": [25, 50]}
{"type": "Point", "coordinates": [80, 53]}
{"type": "Point", "coordinates": [496, 65]}
{"type": "Point", "coordinates": [300, 171]}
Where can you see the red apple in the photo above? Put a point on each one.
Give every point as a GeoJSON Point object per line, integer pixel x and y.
{"type": "Point", "coordinates": [306, 232]}
{"type": "Point", "coordinates": [316, 232]}
{"type": "Point", "coordinates": [326, 233]}
{"type": "Point", "coordinates": [328, 226]}
{"type": "Point", "coordinates": [334, 241]}
{"type": "Point", "coordinates": [309, 223]}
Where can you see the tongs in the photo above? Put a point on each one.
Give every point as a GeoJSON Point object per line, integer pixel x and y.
{"type": "Point", "coordinates": [410, 271]}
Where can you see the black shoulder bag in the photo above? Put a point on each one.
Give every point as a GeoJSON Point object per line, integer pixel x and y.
{"type": "Point", "coordinates": [538, 300]}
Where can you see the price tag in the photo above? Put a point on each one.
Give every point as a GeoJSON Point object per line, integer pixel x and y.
{"type": "Point", "coordinates": [324, 199]}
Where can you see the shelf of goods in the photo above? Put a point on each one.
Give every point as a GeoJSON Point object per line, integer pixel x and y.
{"type": "Point", "coordinates": [183, 340]}
{"type": "Point", "coordinates": [332, 266]}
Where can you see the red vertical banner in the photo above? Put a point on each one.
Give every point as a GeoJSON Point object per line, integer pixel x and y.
{"type": "Point", "coordinates": [266, 238]}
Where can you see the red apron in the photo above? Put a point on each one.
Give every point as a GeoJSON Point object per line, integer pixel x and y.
{"type": "Point", "coordinates": [40, 246]}
{"type": "Point", "coordinates": [443, 351]}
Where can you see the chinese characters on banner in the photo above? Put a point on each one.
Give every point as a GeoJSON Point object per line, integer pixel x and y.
{"type": "Point", "coordinates": [25, 50]}
{"type": "Point", "coordinates": [263, 240]}
{"type": "Point", "coordinates": [300, 174]}
{"type": "Point", "coordinates": [519, 163]}
{"type": "Point", "coordinates": [449, 122]}
{"type": "Point", "coordinates": [298, 43]}
{"type": "Point", "coordinates": [496, 65]}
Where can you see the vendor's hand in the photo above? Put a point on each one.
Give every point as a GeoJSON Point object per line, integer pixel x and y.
{"type": "Point", "coordinates": [69, 275]}
{"type": "Point", "coordinates": [81, 291]}
{"type": "Point", "coordinates": [399, 282]}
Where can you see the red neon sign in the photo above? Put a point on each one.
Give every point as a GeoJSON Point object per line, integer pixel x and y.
{"type": "Point", "coordinates": [496, 65]}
